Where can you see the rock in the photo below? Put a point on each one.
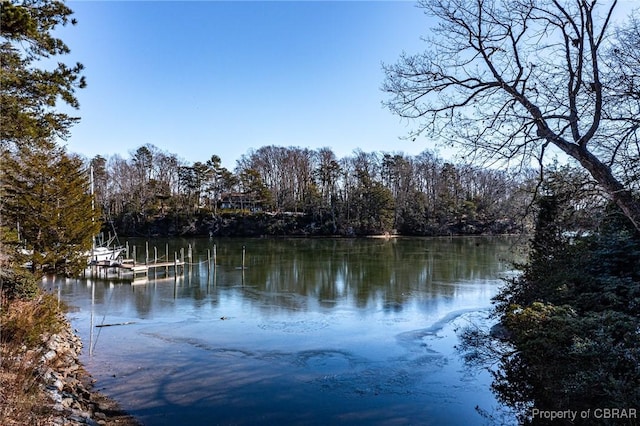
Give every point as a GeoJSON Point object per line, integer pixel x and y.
{"type": "Point", "coordinates": [67, 402]}
{"type": "Point", "coordinates": [55, 397]}
{"type": "Point", "coordinates": [58, 384]}
{"type": "Point", "coordinates": [76, 418]}
{"type": "Point", "coordinates": [84, 394]}
{"type": "Point", "coordinates": [72, 368]}
{"type": "Point", "coordinates": [71, 385]}
{"type": "Point", "coordinates": [52, 345]}
{"type": "Point", "coordinates": [103, 407]}
{"type": "Point", "coordinates": [500, 332]}
{"type": "Point", "coordinates": [49, 355]}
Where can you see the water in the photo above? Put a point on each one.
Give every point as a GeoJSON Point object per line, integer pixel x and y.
{"type": "Point", "coordinates": [310, 331]}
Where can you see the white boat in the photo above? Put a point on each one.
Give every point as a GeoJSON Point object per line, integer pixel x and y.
{"type": "Point", "coordinates": [104, 254]}
{"type": "Point", "coordinates": [110, 255]}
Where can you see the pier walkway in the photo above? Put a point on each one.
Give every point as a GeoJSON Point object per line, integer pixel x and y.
{"type": "Point", "coordinates": [129, 267]}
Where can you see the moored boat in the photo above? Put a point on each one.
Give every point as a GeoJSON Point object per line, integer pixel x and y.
{"type": "Point", "coordinates": [104, 254]}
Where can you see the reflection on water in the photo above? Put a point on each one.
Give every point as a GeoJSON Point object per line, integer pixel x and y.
{"type": "Point", "coordinates": [310, 331]}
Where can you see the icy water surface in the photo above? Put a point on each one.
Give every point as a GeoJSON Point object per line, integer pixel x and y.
{"type": "Point", "coordinates": [311, 331]}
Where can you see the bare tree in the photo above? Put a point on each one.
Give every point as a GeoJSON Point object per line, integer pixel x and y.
{"type": "Point", "coordinates": [623, 80]}
{"type": "Point", "coordinates": [327, 174]}
{"type": "Point", "coordinates": [507, 79]}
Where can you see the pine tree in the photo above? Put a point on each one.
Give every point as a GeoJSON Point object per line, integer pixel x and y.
{"type": "Point", "coordinates": [29, 92]}
{"type": "Point", "coordinates": [46, 194]}
{"type": "Point", "coordinates": [43, 189]}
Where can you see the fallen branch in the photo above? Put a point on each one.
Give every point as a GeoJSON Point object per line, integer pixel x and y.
{"type": "Point", "coordinates": [119, 323]}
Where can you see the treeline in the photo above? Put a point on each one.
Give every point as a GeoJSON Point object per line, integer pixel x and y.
{"type": "Point", "coordinates": [292, 190]}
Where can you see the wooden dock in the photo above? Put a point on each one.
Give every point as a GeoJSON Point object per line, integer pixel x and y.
{"type": "Point", "coordinates": [153, 267]}
{"type": "Point", "coordinates": [129, 267]}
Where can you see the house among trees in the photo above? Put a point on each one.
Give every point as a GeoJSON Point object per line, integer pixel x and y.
{"type": "Point", "coordinates": [240, 201]}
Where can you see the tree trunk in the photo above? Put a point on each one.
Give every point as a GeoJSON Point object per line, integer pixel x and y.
{"type": "Point", "coordinates": [623, 197]}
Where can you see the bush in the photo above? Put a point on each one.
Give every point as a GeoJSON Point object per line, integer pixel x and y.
{"type": "Point", "coordinates": [18, 284]}
{"type": "Point", "coordinates": [572, 319]}
{"type": "Point", "coordinates": [24, 322]}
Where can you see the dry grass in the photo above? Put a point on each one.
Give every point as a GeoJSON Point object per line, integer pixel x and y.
{"type": "Point", "coordinates": [22, 401]}
{"type": "Point", "coordinates": [22, 325]}
{"type": "Point", "coordinates": [27, 322]}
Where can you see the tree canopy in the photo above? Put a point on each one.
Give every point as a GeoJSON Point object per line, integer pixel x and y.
{"type": "Point", "coordinates": [29, 92]}
{"type": "Point", "coordinates": [44, 192]}
{"type": "Point", "coordinates": [366, 193]}
{"type": "Point", "coordinates": [46, 195]}
{"type": "Point", "coordinates": [508, 79]}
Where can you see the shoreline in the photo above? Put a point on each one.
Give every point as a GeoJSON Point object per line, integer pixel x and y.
{"type": "Point", "coordinates": [65, 389]}
{"type": "Point", "coordinates": [70, 386]}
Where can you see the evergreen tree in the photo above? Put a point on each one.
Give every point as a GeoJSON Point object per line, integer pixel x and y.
{"type": "Point", "coordinates": [29, 93]}
{"type": "Point", "coordinates": [253, 185]}
{"type": "Point", "coordinates": [43, 189]}
{"type": "Point", "coordinates": [571, 318]}
{"type": "Point", "coordinates": [373, 206]}
{"type": "Point", "coordinates": [46, 194]}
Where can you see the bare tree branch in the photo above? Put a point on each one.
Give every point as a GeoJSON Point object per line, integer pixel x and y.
{"type": "Point", "coordinates": [510, 77]}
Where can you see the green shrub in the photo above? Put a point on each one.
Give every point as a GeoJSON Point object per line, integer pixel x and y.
{"type": "Point", "coordinates": [18, 284]}
{"type": "Point", "coordinates": [572, 319]}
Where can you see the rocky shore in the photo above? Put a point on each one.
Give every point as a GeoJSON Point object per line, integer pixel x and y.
{"type": "Point", "coordinates": [69, 388]}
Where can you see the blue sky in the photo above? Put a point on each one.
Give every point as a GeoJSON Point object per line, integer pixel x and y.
{"type": "Point", "coordinates": [201, 78]}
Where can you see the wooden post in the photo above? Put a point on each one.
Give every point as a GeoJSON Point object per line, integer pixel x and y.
{"type": "Point", "coordinates": [175, 275]}
{"type": "Point", "coordinates": [243, 255]}
{"type": "Point", "coordinates": [215, 266]}
{"type": "Point", "coordinates": [175, 265]}
{"type": "Point", "coordinates": [126, 244]}
{"type": "Point", "coordinates": [208, 264]}
{"type": "Point", "coordinates": [134, 256]}
{"type": "Point", "coordinates": [166, 258]}
{"type": "Point", "coordinates": [93, 301]}
{"type": "Point", "coordinates": [155, 261]}
{"type": "Point", "coordinates": [146, 259]}
{"type": "Point", "coordinates": [190, 257]}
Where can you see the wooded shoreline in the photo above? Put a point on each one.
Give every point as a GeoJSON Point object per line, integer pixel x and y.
{"type": "Point", "coordinates": [298, 191]}
{"type": "Point", "coordinates": [264, 224]}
